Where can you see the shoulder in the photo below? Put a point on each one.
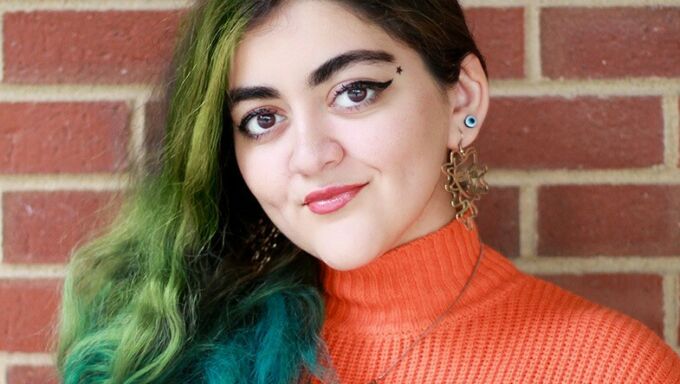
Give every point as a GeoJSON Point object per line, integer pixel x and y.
{"type": "Point", "coordinates": [601, 343]}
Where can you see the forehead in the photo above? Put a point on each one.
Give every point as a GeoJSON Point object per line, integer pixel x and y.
{"type": "Point", "coordinates": [298, 37]}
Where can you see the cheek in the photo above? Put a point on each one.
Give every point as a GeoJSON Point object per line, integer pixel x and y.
{"type": "Point", "coordinates": [414, 134]}
{"type": "Point", "coordinates": [260, 175]}
{"type": "Point", "coordinates": [381, 137]}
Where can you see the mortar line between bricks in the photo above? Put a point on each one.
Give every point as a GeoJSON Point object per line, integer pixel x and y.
{"type": "Point", "coordinates": [2, 46]}
{"type": "Point", "coordinates": [492, 3]}
{"type": "Point", "coordinates": [9, 271]}
{"type": "Point", "coordinates": [568, 3]}
{"type": "Point", "coordinates": [85, 182]}
{"type": "Point", "coordinates": [136, 149]}
{"type": "Point", "coordinates": [37, 359]}
{"type": "Point", "coordinates": [643, 86]}
{"type": "Point", "coordinates": [567, 265]}
{"type": "Point", "coordinates": [670, 309]}
{"type": "Point", "coordinates": [93, 5]}
{"type": "Point", "coordinates": [3, 371]}
{"type": "Point", "coordinates": [527, 221]}
{"type": "Point", "coordinates": [648, 176]}
{"type": "Point", "coordinates": [2, 232]}
{"type": "Point", "coordinates": [37, 93]}
{"type": "Point", "coordinates": [671, 118]}
{"type": "Point", "coordinates": [606, 3]}
{"type": "Point", "coordinates": [532, 43]}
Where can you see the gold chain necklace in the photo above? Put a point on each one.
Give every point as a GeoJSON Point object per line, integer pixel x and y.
{"type": "Point", "coordinates": [434, 324]}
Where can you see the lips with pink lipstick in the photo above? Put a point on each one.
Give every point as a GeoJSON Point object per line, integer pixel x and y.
{"type": "Point", "coordinates": [331, 199]}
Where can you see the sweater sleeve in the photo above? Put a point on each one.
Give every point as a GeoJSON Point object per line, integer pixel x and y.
{"type": "Point", "coordinates": [653, 361]}
{"type": "Point", "coordinates": [638, 354]}
{"type": "Point", "coordinates": [598, 344]}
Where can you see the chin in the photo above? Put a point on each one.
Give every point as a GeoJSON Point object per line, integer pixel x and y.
{"type": "Point", "coordinates": [346, 259]}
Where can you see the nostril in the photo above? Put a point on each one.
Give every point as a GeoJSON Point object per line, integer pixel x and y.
{"type": "Point", "coordinates": [314, 154]}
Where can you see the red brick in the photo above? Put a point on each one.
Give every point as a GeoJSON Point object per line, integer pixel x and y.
{"type": "Point", "coordinates": [81, 47]}
{"type": "Point", "coordinates": [29, 313]}
{"type": "Point", "coordinates": [24, 374]}
{"type": "Point", "coordinates": [637, 295]}
{"type": "Point", "coordinates": [43, 227]}
{"type": "Point", "coordinates": [499, 33]}
{"type": "Point", "coordinates": [609, 220]}
{"type": "Point", "coordinates": [498, 220]}
{"type": "Point", "coordinates": [583, 132]}
{"type": "Point", "coordinates": [610, 42]}
{"type": "Point", "coordinates": [63, 137]}
{"type": "Point", "coordinates": [677, 292]}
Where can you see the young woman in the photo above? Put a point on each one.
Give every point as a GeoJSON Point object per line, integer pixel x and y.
{"type": "Point", "coordinates": [311, 218]}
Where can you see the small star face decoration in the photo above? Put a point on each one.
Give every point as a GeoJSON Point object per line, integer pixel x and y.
{"type": "Point", "coordinates": [399, 70]}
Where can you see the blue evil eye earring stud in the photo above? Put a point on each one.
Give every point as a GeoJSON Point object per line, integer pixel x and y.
{"type": "Point", "coordinates": [470, 121]}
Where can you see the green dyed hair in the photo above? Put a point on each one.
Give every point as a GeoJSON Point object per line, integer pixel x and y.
{"type": "Point", "coordinates": [168, 293]}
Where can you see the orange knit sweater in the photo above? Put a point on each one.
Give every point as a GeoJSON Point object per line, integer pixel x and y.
{"type": "Point", "coordinates": [508, 327]}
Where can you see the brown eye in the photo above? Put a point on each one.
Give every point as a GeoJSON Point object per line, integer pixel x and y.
{"type": "Point", "coordinates": [266, 121]}
{"type": "Point", "coordinates": [357, 95]}
{"type": "Point", "coordinates": [259, 122]}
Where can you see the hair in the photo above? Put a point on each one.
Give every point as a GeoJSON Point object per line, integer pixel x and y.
{"type": "Point", "coordinates": [168, 292]}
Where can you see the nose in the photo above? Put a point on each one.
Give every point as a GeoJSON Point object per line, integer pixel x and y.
{"type": "Point", "coordinates": [314, 147]}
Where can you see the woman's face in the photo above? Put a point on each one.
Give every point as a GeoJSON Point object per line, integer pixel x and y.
{"type": "Point", "coordinates": [374, 118]}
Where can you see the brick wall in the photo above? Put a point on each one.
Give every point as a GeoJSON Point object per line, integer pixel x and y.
{"type": "Point", "coordinates": [582, 138]}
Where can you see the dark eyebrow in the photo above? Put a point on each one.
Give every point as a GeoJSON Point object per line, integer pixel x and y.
{"type": "Point", "coordinates": [247, 93]}
{"type": "Point", "coordinates": [337, 63]}
{"type": "Point", "coordinates": [318, 76]}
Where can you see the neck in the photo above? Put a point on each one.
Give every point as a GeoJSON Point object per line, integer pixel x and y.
{"type": "Point", "coordinates": [408, 286]}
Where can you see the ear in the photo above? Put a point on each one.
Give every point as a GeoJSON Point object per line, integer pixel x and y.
{"type": "Point", "coordinates": [470, 96]}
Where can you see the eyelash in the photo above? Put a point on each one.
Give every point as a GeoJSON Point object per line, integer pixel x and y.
{"type": "Point", "coordinates": [377, 87]}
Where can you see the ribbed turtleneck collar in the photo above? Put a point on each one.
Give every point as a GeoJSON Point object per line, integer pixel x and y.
{"type": "Point", "coordinates": [408, 286]}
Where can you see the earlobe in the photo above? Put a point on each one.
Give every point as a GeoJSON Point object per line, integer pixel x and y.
{"type": "Point", "coordinates": [469, 99]}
